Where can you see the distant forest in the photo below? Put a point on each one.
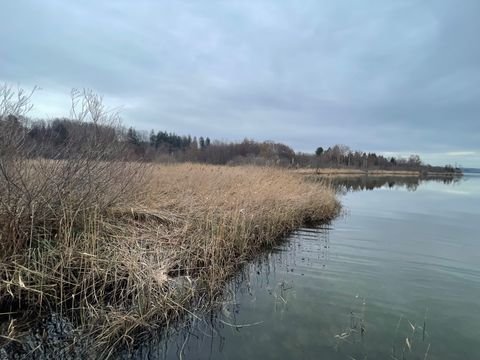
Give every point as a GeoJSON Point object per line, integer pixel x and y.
{"type": "Point", "coordinates": [60, 138]}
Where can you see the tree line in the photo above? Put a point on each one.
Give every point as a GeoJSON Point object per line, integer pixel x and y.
{"type": "Point", "coordinates": [49, 139]}
{"type": "Point", "coordinates": [343, 156]}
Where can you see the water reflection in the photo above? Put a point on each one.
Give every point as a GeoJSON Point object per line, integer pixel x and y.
{"type": "Point", "coordinates": [359, 183]}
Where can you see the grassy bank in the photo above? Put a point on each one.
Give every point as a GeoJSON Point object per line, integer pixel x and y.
{"type": "Point", "coordinates": [165, 241]}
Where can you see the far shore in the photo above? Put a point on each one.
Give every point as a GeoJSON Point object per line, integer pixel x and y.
{"type": "Point", "coordinates": [369, 172]}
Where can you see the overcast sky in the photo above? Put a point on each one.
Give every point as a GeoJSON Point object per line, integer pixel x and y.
{"type": "Point", "coordinates": [387, 76]}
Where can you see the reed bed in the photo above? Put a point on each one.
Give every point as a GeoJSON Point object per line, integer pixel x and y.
{"type": "Point", "coordinates": [162, 246]}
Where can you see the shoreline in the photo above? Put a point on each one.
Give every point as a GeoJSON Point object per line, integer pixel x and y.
{"type": "Point", "coordinates": [331, 172]}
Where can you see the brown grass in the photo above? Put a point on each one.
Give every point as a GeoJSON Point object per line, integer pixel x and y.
{"type": "Point", "coordinates": [181, 232]}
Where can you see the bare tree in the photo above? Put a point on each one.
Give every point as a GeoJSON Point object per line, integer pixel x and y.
{"type": "Point", "coordinates": [85, 174]}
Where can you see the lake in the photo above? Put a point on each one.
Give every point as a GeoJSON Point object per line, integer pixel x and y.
{"type": "Point", "coordinates": [396, 276]}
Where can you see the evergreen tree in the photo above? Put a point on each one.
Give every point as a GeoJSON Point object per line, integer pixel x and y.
{"type": "Point", "coordinates": [133, 137]}
{"type": "Point", "coordinates": [319, 151]}
{"type": "Point", "coordinates": [153, 139]}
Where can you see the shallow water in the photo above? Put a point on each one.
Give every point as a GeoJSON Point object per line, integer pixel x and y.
{"type": "Point", "coordinates": [403, 262]}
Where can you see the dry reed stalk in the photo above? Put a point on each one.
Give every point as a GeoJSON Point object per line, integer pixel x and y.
{"type": "Point", "coordinates": [142, 260]}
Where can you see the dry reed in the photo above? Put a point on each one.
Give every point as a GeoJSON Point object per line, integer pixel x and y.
{"type": "Point", "coordinates": [144, 259]}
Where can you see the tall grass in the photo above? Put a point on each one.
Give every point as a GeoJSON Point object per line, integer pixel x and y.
{"type": "Point", "coordinates": [117, 267]}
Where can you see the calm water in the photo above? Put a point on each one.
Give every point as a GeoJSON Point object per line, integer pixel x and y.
{"type": "Point", "coordinates": [402, 262]}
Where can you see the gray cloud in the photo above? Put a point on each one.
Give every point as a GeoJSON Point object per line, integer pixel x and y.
{"type": "Point", "coordinates": [376, 75]}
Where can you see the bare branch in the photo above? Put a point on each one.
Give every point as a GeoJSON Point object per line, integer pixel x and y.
{"type": "Point", "coordinates": [15, 102]}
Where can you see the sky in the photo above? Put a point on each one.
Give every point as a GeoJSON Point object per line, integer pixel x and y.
{"type": "Point", "coordinates": [394, 77]}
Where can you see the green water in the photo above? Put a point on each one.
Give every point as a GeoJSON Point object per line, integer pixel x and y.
{"type": "Point", "coordinates": [402, 262]}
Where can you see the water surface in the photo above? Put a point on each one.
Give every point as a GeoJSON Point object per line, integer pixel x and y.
{"type": "Point", "coordinates": [403, 262]}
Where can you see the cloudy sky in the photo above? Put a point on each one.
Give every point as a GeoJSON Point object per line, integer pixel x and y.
{"type": "Point", "coordinates": [398, 77]}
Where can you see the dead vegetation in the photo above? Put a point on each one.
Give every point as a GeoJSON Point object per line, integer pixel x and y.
{"type": "Point", "coordinates": [141, 263]}
{"type": "Point", "coordinates": [119, 247]}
